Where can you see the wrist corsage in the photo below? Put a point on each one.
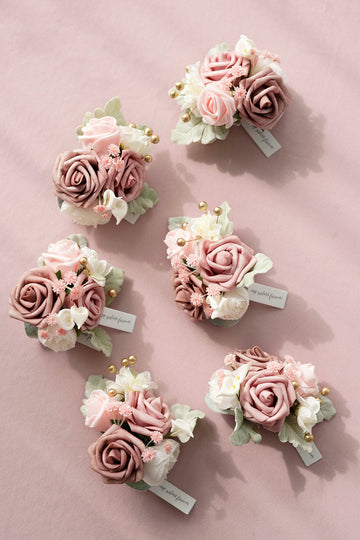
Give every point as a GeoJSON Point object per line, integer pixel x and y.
{"type": "Point", "coordinates": [212, 267]}
{"type": "Point", "coordinates": [137, 446]}
{"type": "Point", "coordinates": [62, 300]}
{"type": "Point", "coordinates": [277, 394]}
{"type": "Point", "coordinates": [106, 176]}
{"type": "Point", "coordinates": [228, 87]}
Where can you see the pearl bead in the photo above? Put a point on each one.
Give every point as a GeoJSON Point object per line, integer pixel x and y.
{"type": "Point", "coordinates": [184, 226]}
{"type": "Point", "coordinates": [325, 391]}
{"type": "Point", "coordinates": [112, 368]}
{"type": "Point", "coordinates": [179, 85]}
{"type": "Point", "coordinates": [112, 392]}
{"type": "Point", "coordinates": [181, 242]}
{"type": "Point", "coordinates": [217, 211]}
{"type": "Point", "coordinates": [112, 293]}
{"type": "Point", "coordinates": [308, 437]}
{"type": "Point", "coordinates": [83, 261]}
{"type": "Point", "coordinates": [155, 139]}
{"type": "Point", "coordinates": [148, 158]}
{"type": "Point", "coordinates": [203, 206]}
{"type": "Point", "coordinates": [295, 385]}
{"type": "Point", "coordinates": [132, 359]}
{"type": "Point", "coordinates": [132, 125]}
{"type": "Point", "coordinates": [125, 362]}
{"type": "Point", "coordinates": [148, 131]}
{"type": "Point", "coordinates": [185, 117]}
{"type": "Point", "coordinates": [173, 93]}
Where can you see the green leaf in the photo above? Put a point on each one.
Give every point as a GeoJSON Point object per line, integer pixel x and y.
{"type": "Point", "coordinates": [31, 330]}
{"type": "Point", "coordinates": [219, 48]}
{"type": "Point", "coordinates": [176, 222]}
{"type": "Point", "coordinates": [263, 264]}
{"type": "Point", "coordinates": [98, 339]}
{"type": "Point", "coordinates": [113, 108]}
{"type": "Point", "coordinates": [140, 486]}
{"type": "Point", "coordinates": [327, 409]}
{"type": "Point", "coordinates": [214, 408]}
{"type": "Point", "coordinates": [95, 382]}
{"type": "Point", "coordinates": [113, 280]}
{"type": "Point", "coordinates": [79, 239]}
{"type": "Point", "coordinates": [244, 430]}
{"type": "Point", "coordinates": [58, 274]}
{"type": "Point", "coordinates": [146, 200]}
{"type": "Point", "coordinates": [291, 432]}
{"type": "Point", "coordinates": [197, 131]}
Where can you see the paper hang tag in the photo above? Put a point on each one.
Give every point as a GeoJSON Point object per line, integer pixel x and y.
{"type": "Point", "coordinates": [118, 320]}
{"type": "Point", "coordinates": [309, 458]}
{"type": "Point", "coordinates": [131, 218]}
{"type": "Point", "coordinates": [174, 496]}
{"type": "Point", "coordinates": [263, 138]}
{"type": "Point", "coordinates": [267, 295]}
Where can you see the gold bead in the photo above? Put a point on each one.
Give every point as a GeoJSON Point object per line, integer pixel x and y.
{"type": "Point", "coordinates": [148, 131]}
{"type": "Point", "coordinates": [132, 359]}
{"type": "Point", "coordinates": [132, 125]}
{"type": "Point", "coordinates": [181, 242]}
{"type": "Point", "coordinates": [184, 226]}
{"type": "Point", "coordinates": [173, 93]}
{"type": "Point", "coordinates": [125, 362]}
{"type": "Point", "coordinates": [112, 293]}
{"type": "Point", "coordinates": [185, 117]}
{"type": "Point", "coordinates": [187, 69]}
{"type": "Point", "coordinates": [83, 261]}
{"type": "Point", "coordinates": [295, 384]}
{"type": "Point", "coordinates": [155, 139]}
{"type": "Point", "coordinates": [217, 211]}
{"type": "Point", "coordinates": [179, 85]}
{"type": "Point", "coordinates": [112, 392]}
{"type": "Point", "coordinates": [112, 368]}
{"type": "Point", "coordinates": [203, 206]}
{"type": "Point", "coordinates": [148, 158]}
{"type": "Point", "coordinates": [308, 437]}
{"type": "Point", "coordinates": [319, 399]}
{"type": "Point", "coordinates": [325, 391]}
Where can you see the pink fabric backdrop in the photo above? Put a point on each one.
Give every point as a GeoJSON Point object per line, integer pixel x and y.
{"type": "Point", "coordinates": [300, 207]}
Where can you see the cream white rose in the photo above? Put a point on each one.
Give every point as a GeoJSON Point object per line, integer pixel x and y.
{"type": "Point", "coordinates": [224, 386]}
{"type": "Point", "coordinates": [306, 413]}
{"type": "Point", "coordinates": [244, 46]}
{"type": "Point", "coordinates": [230, 306]}
{"type": "Point", "coordinates": [206, 226]}
{"type": "Point", "coordinates": [166, 454]}
{"type": "Point", "coordinates": [184, 423]}
{"type": "Point", "coordinates": [126, 380]}
{"type": "Point", "coordinates": [50, 338]}
{"type": "Point", "coordinates": [84, 216]}
{"type": "Point", "coordinates": [135, 139]}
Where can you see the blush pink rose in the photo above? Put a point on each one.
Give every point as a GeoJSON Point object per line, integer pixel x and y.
{"type": "Point", "coordinates": [259, 359]}
{"type": "Point", "coordinates": [64, 255]}
{"type": "Point", "coordinates": [97, 408]}
{"type": "Point", "coordinates": [216, 106]}
{"type": "Point", "coordinates": [116, 456]}
{"type": "Point", "coordinates": [224, 262]}
{"type": "Point", "coordinates": [33, 299]}
{"type": "Point", "coordinates": [171, 241]}
{"type": "Point", "coordinates": [99, 133]}
{"type": "Point", "coordinates": [266, 399]}
{"type": "Point", "coordinates": [304, 375]}
{"type": "Point", "coordinates": [225, 64]}
{"type": "Point", "coordinates": [263, 99]}
{"type": "Point", "coordinates": [129, 182]}
{"type": "Point", "coordinates": [190, 294]}
{"type": "Point", "coordinates": [90, 295]}
{"type": "Point", "coordinates": [79, 177]}
{"type": "Point", "coordinates": [149, 413]}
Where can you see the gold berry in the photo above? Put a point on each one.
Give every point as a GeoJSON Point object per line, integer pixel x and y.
{"type": "Point", "coordinates": [112, 392]}
{"type": "Point", "coordinates": [185, 117]}
{"type": "Point", "coordinates": [148, 131]}
{"type": "Point", "coordinates": [187, 69]}
{"type": "Point", "coordinates": [295, 385]}
{"type": "Point", "coordinates": [217, 211]}
{"type": "Point", "coordinates": [308, 437]}
{"type": "Point", "coordinates": [148, 158]}
{"type": "Point", "coordinates": [112, 293]}
{"type": "Point", "coordinates": [132, 359]}
{"type": "Point", "coordinates": [112, 368]}
{"type": "Point", "coordinates": [173, 93]}
{"type": "Point", "coordinates": [325, 391]}
{"type": "Point", "coordinates": [125, 362]}
{"type": "Point", "coordinates": [203, 206]}
{"type": "Point", "coordinates": [181, 242]}
{"type": "Point", "coordinates": [184, 225]}
{"type": "Point", "coordinates": [83, 261]}
{"type": "Point", "coordinates": [132, 125]}
{"type": "Point", "coordinates": [155, 139]}
{"type": "Point", "coordinates": [179, 85]}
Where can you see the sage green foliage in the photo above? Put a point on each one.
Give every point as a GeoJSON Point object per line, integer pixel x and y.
{"type": "Point", "coordinates": [176, 222]}
{"type": "Point", "coordinates": [31, 330]}
{"type": "Point", "coordinates": [100, 340]}
{"type": "Point", "coordinates": [291, 432]}
{"type": "Point", "coordinates": [140, 486]}
{"type": "Point", "coordinates": [79, 239]}
{"type": "Point", "coordinates": [113, 280]}
{"type": "Point", "coordinates": [112, 108]}
{"type": "Point", "coordinates": [327, 409]}
{"type": "Point", "coordinates": [95, 382]}
{"type": "Point", "coordinates": [263, 264]}
{"type": "Point", "coordinates": [197, 131]}
{"type": "Point", "coordinates": [244, 430]}
{"type": "Point", "coordinates": [221, 47]}
{"type": "Point", "coordinates": [146, 200]}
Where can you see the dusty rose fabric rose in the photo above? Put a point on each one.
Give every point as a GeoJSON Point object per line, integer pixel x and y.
{"type": "Point", "coordinates": [129, 182]}
{"type": "Point", "coordinates": [79, 177]}
{"type": "Point", "coordinates": [266, 399]}
{"type": "Point", "coordinates": [190, 294]}
{"type": "Point", "coordinates": [216, 106]}
{"type": "Point", "coordinates": [265, 100]}
{"type": "Point", "coordinates": [63, 255]}
{"type": "Point", "coordinates": [33, 299]}
{"type": "Point", "coordinates": [258, 358]}
{"type": "Point", "coordinates": [89, 294]}
{"type": "Point", "coordinates": [149, 413]}
{"type": "Point", "coordinates": [99, 133]}
{"type": "Point", "coordinates": [225, 64]}
{"type": "Point", "coordinates": [225, 261]}
{"type": "Point", "coordinates": [116, 455]}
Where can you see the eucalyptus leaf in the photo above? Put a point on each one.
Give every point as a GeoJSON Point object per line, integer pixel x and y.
{"type": "Point", "coordinates": [176, 222]}
{"type": "Point", "coordinates": [291, 432]}
{"type": "Point", "coordinates": [31, 330]}
{"type": "Point", "coordinates": [197, 131]}
{"type": "Point", "coordinates": [95, 382]}
{"type": "Point", "coordinates": [79, 239]}
{"type": "Point", "coordinates": [327, 409]}
{"type": "Point", "coordinates": [139, 486]}
{"type": "Point", "coordinates": [146, 200]}
{"type": "Point", "coordinates": [244, 430]}
{"type": "Point", "coordinates": [60, 202]}
{"type": "Point", "coordinates": [113, 108]}
{"type": "Point", "coordinates": [113, 280]}
{"type": "Point", "coordinates": [99, 340]}
{"type": "Point", "coordinates": [263, 264]}
{"type": "Point", "coordinates": [214, 408]}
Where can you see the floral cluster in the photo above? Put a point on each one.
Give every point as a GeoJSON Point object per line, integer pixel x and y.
{"type": "Point", "coordinates": [106, 176]}
{"type": "Point", "coordinates": [230, 85]}
{"type": "Point", "coordinates": [137, 446]}
{"type": "Point", "coordinates": [212, 267]}
{"type": "Point", "coordinates": [280, 395]}
{"type": "Point", "coordinates": [61, 301]}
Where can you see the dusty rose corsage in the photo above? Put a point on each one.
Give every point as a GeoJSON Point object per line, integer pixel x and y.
{"type": "Point", "coordinates": [212, 267]}
{"type": "Point", "coordinates": [106, 176]}
{"type": "Point", "coordinates": [137, 446]}
{"type": "Point", "coordinates": [61, 301]}
{"type": "Point", "coordinates": [229, 86]}
{"type": "Point", "coordinates": [277, 394]}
